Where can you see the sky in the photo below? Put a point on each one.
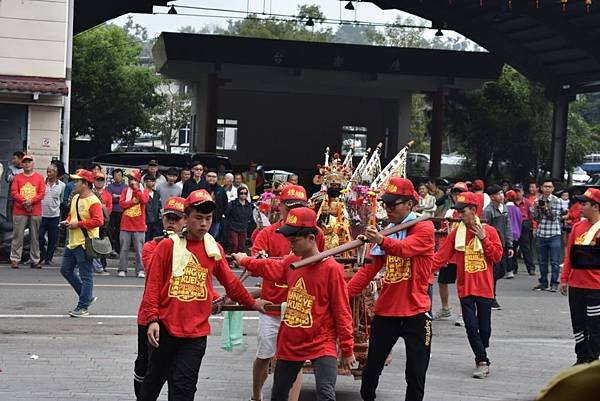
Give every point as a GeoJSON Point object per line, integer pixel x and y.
{"type": "Point", "coordinates": [157, 23]}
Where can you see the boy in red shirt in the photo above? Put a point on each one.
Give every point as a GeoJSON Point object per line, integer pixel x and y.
{"type": "Point", "coordinates": [402, 309]}
{"type": "Point", "coordinates": [474, 248]}
{"type": "Point", "coordinates": [583, 285]}
{"type": "Point", "coordinates": [173, 222]}
{"type": "Point", "coordinates": [272, 243]}
{"type": "Point", "coordinates": [317, 313]}
{"type": "Point", "coordinates": [133, 223]}
{"type": "Point", "coordinates": [178, 301]}
{"type": "Point", "coordinates": [27, 189]}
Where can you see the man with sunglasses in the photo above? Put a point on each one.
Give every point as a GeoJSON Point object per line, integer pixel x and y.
{"type": "Point", "coordinates": [173, 220]}
{"type": "Point", "coordinates": [403, 304]}
{"type": "Point", "coordinates": [583, 285]}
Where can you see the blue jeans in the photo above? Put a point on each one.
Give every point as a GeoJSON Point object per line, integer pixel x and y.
{"type": "Point", "coordinates": [548, 248]}
{"type": "Point", "coordinates": [477, 315]}
{"type": "Point", "coordinates": [49, 225]}
{"type": "Point", "coordinates": [83, 284]}
{"type": "Point", "coordinates": [215, 229]}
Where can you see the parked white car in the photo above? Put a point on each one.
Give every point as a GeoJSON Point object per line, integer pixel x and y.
{"type": "Point", "coordinates": [579, 176]}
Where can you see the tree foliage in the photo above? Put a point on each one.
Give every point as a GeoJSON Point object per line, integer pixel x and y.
{"type": "Point", "coordinates": [172, 112]}
{"type": "Point", "coordinates": [112, 95]}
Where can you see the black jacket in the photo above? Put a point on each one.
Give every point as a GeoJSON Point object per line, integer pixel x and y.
{"type": "Point", "coordinates": [191, 185]}
{"type": "Point", "coordinates": [153, 208]}
{"type": "Point", "coordinates": [220, 197]}
{"type": "Point", "coordinates": [238, 216]}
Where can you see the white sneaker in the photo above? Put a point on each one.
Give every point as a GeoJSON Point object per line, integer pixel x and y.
{"type": "Point", "coordinates": [459, 321]}
{"type": "Point", "coordinates": [509, 275]}
{"type": "Point", "coordinates": [141, 274]}
{"type": "Point", "coordinates": [122, 274]}
{"type": "Point", "coordinates": [482, 371]}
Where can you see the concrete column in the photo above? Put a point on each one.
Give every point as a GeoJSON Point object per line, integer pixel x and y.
{"type": "Point", "coordinates": [404, 109]}
{"type": "Point", "coordinates": [559, 137]}
{"type": "Point", "coordinates": [437, 134]}
{"type": "Point", "coordinates": [204, 113]}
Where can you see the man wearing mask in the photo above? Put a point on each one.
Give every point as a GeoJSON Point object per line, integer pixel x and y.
{"type": "Point", "coordinates": [230, 190]}
{"type": "Point", "coordinates": [170, 188]}
{"type": "Point", "coordinates": [115, 189]}
{"type": "Point", "coordinates": [28, 189]}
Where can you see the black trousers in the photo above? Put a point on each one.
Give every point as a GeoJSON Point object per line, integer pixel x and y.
{"type": "Point", "coordinates": [477, 315]}
{"type": "Point", "coordinates": [500, 269]}
{"type": "Point", "coordinates": [385, 331]}
{"type": "Point", "coordinates": [141, 364]}
{"type": "Point", "coordinates": [176, 359]}
{"type": "Point", "coordinates": [525, 247]}
{"type": "Point", "coordinates": [114, 230]}
{"type": "Point", "coordinates": [285, 374]}
{"type": "Point", "coordinates": [584, 304]}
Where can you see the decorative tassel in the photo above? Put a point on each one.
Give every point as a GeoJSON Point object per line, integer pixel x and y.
{"type": "Point", "coordinates": [537, 3]}
{"type": "Point", "coordinates": [564, 5]}
{"type": "Point", "coordinates": [588, 4]}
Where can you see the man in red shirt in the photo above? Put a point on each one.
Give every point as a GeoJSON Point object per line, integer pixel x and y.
{"type": "Point", "coordinates": [173, 222]}
{"type": "Point", "coordinates": [581, 284]}
{"type": "Point", "coordinates": [178, 301]}
{"type": "Point", "coordinates": [270, 242]}
{"type": "Point", "coordinates": [317, 315]}
{"type": "Point", "coordinates": [403, 304]}
{"type": "Point", "coordinates": [475, 248]}
{"type": "Point", "coordinates": [526, 238]}
{"type": "Point", "coordinates": [133, 223]}
{"type": "Point", "coordinates": [27, 189]}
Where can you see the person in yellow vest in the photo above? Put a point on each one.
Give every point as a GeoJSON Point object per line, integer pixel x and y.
{"type": "Point", "coordinates": [85, 219]}
{"type": "Point", "coordinates": [250, 178]}
{"type": "Point", "coordinates": [581, 283]}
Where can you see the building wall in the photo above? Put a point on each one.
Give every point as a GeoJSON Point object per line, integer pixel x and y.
{"type": "Point", "coordinates": [33, 37]}
{"type": "Point", "coordinates": [291, 131]}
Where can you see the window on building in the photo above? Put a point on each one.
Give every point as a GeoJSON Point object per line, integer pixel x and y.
{"type": "Point", "coordinates": [356, 137]}
{"type": "Point", "coordinates": [227, 134]}
{"type": "Point", "coordinates": [184, 135]}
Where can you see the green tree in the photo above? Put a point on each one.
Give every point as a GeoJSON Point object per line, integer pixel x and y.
{"type": "Point", "coordinates": [277, 28]}
{"type": "Point", "coordinates": [112, 94]}
{"type": "Point", "coordinates": [172, 113]}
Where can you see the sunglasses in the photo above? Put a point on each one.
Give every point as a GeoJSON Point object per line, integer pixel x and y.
{"type": "Point", "coordinates": [243, 193]}
{"type": "Point", "coordinates": [392, 205]}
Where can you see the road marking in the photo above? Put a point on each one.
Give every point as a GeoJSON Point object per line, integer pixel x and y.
{"type": "Point", "coordinates": [100, 317]}
{"type": "Point", "coordinates": [95, 285]}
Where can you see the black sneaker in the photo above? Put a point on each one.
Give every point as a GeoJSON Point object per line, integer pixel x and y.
{"type": "Point", "coordinates": [496, 305]}
{"type": "Point", "coordinates": [554, 288]}
{"type": "Point", "coordinates": [540, 287]}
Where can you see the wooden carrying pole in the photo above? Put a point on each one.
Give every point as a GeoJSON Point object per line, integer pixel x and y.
{"type": "Point", "coordinates": [339, 259]}
{"type": "Point", "coordinates": [354, 244]}
{"type": "Point", "coordinates": [235, 308]}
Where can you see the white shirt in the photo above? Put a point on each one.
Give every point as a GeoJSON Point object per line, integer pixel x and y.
{"type": "Point", "coordinates": [231, 193]}
{"type": "Point", "coordinates": [52, 199]}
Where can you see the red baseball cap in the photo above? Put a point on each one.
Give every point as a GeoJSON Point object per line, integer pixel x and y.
{"type": "Point", "coordinates": [511, 195]}
{"type": "Point", "coordinates": [297, 219]}
{"type": "Point", "coordinates": [465, 199]}
{"type": "Point", "coordinates": [135, 174]}
{"type": "Point", "coordinates": [175, 205]}
{"type": "Point", "coordinates": [460, 186]}
{"type": "Point", "coordinates": [199, 197]}
{"type": "Point", "coordinates": [293, 195]}
{"type": "Point", "coordinates": [590, 195]}
{"type": "Point", "coordinates": [100, 175]}
{"type": "Point", "coordinates": [478, 185]}
{"type": "Point", "coordinates": [83, 174]}
{"type": "Point", "coordinates": [398, 187]}
{"type": "Point", "coordinates": [27, 157]}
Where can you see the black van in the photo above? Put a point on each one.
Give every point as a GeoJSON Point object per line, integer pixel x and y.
{"type": "Point", "coordinates": [165, 160]}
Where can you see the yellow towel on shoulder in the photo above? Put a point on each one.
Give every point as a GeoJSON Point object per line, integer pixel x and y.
{"type": "Point", "coordinates": [460, 241]}
{"type": "Point", "coordinates": [591, 234]}
{"type": "Point", "coordinates": [181, 255]}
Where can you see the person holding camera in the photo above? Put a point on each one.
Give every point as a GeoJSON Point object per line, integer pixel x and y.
{"type": "Point", "coordinates": [546, 210]}
{"type": "Point", "coordinates": [85, 214]}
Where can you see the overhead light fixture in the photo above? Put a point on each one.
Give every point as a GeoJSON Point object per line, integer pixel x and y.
{"type": "Point", "coordinates": [172, 10]}
{"type": "Point", "coordinates": [439, 33]}
{"type": "Point", "coordinates": [310, 22]}
{"type": "Point", "coordinates": [349, 6]}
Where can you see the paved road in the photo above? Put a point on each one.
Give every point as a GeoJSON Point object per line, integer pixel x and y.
{"type": "Point", "coordinates": [92, 358]}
